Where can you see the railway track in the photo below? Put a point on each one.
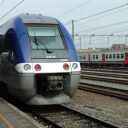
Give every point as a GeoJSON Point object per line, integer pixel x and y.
{"type": "Point", "coordinates": [105, 70]}
{"type": "Point", "coordinates": [109, 83]}
{"type": "Point", "coordinates": [104, 90]}
{"type": "Point", "coordinates": [115, 77]}
{"type": "Point", "coordinates": [105, 78]}
{"type": "Point", "coordinates": [62, 117]}
{"type": "Point", "coordinates": [108, 74]}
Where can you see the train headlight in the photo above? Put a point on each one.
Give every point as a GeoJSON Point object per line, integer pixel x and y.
{"type": "Point", "coordinates": [27, 67]}
{"type": "Point", "coordinates": [37, 67]}
{"type": "Point", "coordinates": [74, 66]}
{"type": "Point", "coordinates": [65, 66]}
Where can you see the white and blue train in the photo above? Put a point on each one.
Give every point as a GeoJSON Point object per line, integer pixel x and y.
{"type": "Point", "coordinates": [38, 60]}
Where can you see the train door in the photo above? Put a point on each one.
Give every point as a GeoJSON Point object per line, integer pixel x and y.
{"type": "Point", "coordinates": [103, 59]}
{"type": "Point", "coordinates": [126, 58]}
{"type": "Point", "coordinates": [89, 58]}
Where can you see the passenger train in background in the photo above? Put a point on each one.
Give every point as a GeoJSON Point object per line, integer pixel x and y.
{"type": "Point", "coordinates": [104, 58]}
{"type": "Point", "coordinates": [38, 60]}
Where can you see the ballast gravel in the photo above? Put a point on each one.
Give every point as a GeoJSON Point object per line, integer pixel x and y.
{"type": "Point", "coordinates": [110, 109]}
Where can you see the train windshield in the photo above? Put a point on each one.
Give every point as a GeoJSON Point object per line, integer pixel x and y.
{"type": "Point", "coordinates": [45, 37]}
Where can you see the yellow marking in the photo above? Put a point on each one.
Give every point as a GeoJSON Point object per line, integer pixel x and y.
{"type": "Point", "coordinates": [5, 122]}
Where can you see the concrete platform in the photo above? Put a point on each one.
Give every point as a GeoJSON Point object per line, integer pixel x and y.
{"type": "Point", "coordinates": [11, 117]}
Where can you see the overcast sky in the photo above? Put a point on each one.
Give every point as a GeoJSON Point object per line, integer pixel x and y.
{"type": "Point", "coordinates": [67, 10]}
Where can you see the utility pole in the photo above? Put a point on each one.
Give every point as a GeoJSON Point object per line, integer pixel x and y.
{"type": "Point", "coordinates": [73, 30]}
{"type": "Point", "coordinates": [126, 36]}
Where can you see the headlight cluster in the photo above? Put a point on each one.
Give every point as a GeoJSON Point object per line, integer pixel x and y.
{"type": "Point", "coordinates": [74, 66]}
{"type": "Point", "coordinates": [27, 67]}
{"type": "Point", "coordinates": [37, 67]}
{"type": "Point", "coordinates": [65, 66]}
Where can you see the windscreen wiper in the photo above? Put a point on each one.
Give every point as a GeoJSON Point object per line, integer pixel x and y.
{"type": "Point", "coordinates": [36, 40]}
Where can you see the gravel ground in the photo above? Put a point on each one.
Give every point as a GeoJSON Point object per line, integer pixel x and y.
{"type": "Point", "coordinates": [107, 108]}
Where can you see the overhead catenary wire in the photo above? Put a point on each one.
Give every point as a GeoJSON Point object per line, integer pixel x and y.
{"type": "Point", "coordinates": [80, 5]}
{"type": "Point", "coordinates": [101, 17]}
{"type": "Point", "coordinates": [11, 9]}
{"type": "Point", "coordinates": [69, 22]}
{"type": "Point", "coordinates": [100, 35]}
{"type": "Point", "coordinates": [110, 25]}
{"type": "Point", "coordinates": [126, 30]}
{"type": "Point", "coordinates": [88, 40]}
{"type": "Point", "coordinates": [99, 13]}
{"type": "Point", "coordinates": [119, 31]}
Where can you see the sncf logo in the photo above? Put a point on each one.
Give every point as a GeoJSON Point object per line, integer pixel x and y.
{"type": "Point", "coordinates": [50, 56]}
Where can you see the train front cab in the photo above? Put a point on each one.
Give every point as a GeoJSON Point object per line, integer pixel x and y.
{"type": "Point", "coordinates": [58, 76]}
{"type": "Point", "coordinates": [39, 74]}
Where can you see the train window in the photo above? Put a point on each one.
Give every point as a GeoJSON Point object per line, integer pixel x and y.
{"type": "Point", "coordinates": [93, 56]}
{"type": "Point", "coordinates": [118, 56]}
{"type": "Point", "coordinates": [114, 56]}
{"type": "Point", "coordinates": [45, 37]}
{"type": "Point", "coordinates": [96, 56]}
{"type": "Point", "coordinates": [84, 57]}
{"type": "Point", "coordinates": [126, 54]}
{"type": "Point", "coordinates": [110, 56]}
{"type": "Point", "coordinates": [106, 56]}
{"type": "Point", "coordinates": [122, 56]}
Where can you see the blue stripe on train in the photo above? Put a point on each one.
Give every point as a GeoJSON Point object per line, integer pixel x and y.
{"type": "Point", "coordinates": [69, 42]}
{"type": "Point", "coordinates": [22, 49]}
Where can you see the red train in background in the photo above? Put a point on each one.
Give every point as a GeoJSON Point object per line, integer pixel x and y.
{"type": "Point", "coordinates": [103, 58]}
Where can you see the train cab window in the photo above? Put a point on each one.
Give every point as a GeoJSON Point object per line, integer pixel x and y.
{"type": "Point", "coordinates": [118, 56]}
{"type": "Point", "coordinates": [96, 56]}
{"type": "Point", "coordinates": [93, 56]}
{"type": "Point", "coordinates": [46, 37]}
{"type": "Point", "coordinates": [122, 56]}
{"type": "Point", "coordinates": [114, 56]}
{"type": "Point", "coordinates": [110, 56]}
{"type": "Point", "coordinates": [106, 56]}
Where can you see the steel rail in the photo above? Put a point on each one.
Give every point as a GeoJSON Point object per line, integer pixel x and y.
{"type": "Point", "coordinates": [105, 70]}
{"type": "Point", "coordinates": [47, 121]}
{"type": "Point", "coordinates": [107, 124]}
{"type": "Point", "coordinates": [105, 79]}
{"type": "Point", "coordinates": [72, 113]}
{"type": "Point", "coordinates": [104, 90]}
{"type": "Point", "coordinates": [119, 75]}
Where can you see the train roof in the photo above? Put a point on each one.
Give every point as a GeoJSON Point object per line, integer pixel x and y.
{"type": "Point", "coordinates": [27, 19]}
{"type": "Point", "coordinates": [34, 18]}
{"type": "Point", "coordinates": [103, 51]}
